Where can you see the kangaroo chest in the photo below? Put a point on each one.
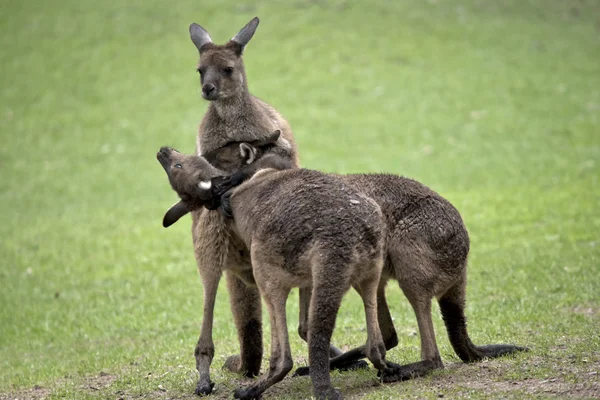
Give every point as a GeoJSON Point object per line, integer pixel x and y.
{"type": "Point", "coordinates": [218, 130]}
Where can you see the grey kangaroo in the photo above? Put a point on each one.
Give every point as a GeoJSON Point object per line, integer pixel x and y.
{"type": "Point", "coordinates": [233, 115]}
{"type": "Point", "coordinates": [306, 229]}
{"type": "Point", "coordinates": [426, 252]}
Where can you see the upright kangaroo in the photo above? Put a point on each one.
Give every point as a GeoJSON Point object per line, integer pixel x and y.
{"type": "Point", "coordinates": [233, 115]}
{"type": "Point", "coordinates": [427, 246]}
{"type": "Point", "coordinates": [303, 228]}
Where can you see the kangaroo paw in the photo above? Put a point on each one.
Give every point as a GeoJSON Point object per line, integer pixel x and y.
{"type": "Point", "coordinates": [247, 393]}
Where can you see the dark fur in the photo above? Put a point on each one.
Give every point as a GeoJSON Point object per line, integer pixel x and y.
{"type": "Point", "coordinates": [304, 229]}
{"type": "Point", "coordinates": [234, 115]}
{"type": "Point", "coordinates": [427, 249]}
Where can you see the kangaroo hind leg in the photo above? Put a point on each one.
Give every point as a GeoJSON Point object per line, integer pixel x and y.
{"type": "Point", "coordinates": [386, 326]}
{"type": "Point", "coordinates": [452, 306]}
{"type": "Point", "coordinates": [340, 361]}
{"type": "Point", "coordinates": [375, 348]}
{"type": "Point", "coordinates": [327, 293]}
{"type": "Point", "coordinates": [420, 300]}
{"type": "Point", "coordinates": [280, 362]}
{"type": "Point", "coordinates": [274, 291]}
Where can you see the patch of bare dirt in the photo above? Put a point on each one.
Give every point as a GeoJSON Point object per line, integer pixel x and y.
{"type": "Point", "coordinates": [98, 382]}
{"type": "Point", "coordinates": [90, 383]}
{"type": "Point", "coordinates": [553, 386]}
{"type": "Point", "coordinates": [586, 310]}
{"type": "Point", "coordinates": [572, 382]}
{"type": "Point", "coordinates": [35, 393]}
{"type": "Point", "coordinates": [564, 380]}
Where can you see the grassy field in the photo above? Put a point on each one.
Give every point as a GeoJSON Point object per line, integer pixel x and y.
{"type": "Point", "coordinates": [494, 104]}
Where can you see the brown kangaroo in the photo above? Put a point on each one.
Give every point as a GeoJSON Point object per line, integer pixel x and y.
{"type": "Point", "coordinates": [427, 246]}
{"type": "Point", "coordinates": [233, 115]}
{"type": "Point", "coordinates": [303, 229]}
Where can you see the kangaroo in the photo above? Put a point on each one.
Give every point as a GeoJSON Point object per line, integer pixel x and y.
{"type": "Point", "coordinates": [426, 252]}
{"type": "Point", "coordinates": [306, 229]}
{"type": "Point", "coordinates": [233, 115]}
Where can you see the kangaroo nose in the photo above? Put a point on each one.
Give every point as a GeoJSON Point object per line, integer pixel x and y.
{"type": "Point", "coordinates": [208, 89]}
{"type": "Point", "coordinates": [165, 151]}
{"type": "Point", "coordinates": [163, 154]}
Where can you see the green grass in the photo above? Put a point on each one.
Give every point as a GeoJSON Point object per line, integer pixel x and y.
{"type": "Point", "coordinates": [496, 105]}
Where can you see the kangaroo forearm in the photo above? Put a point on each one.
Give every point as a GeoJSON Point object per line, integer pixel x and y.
{"type": "Point", "coordinates": [221, 185]}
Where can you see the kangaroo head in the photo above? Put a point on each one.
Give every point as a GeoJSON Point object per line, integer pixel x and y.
{"type": "Point", "coordinates": [235, 155]}
{"type": "Point", "coordinates": [221, 68]}
{"type": "Point", "coordinates": [191, 177]}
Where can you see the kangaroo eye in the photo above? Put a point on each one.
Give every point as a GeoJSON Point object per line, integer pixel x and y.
{"type": "Point", "coordinates": [228, 70]}
{"type": "Point", "coordinates": [201, 71]}
{"type": "Point", "coordinates": [177, 166]}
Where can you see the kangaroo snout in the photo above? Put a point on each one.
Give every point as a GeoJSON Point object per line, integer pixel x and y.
{"type": "Point", "coordinates": [209, 91]}
{"type": "Point", "coordinates": [164, 156]}
{"type": "Point", "coordinates": [164, 153]}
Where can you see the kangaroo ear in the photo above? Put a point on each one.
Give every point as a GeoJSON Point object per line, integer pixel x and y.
{"type": "Point", "coordinates": [245, 34]}
{"type": "Point", "coordinates": [271, 139]}
{"type": "Point", "coordinates": [199, 36]}
{"type": "Point", "coordinates": [248, 153]}
{"type": "Point", "coordinates": [176, 211]}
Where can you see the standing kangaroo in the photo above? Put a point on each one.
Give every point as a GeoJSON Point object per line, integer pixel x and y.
{"type": "Point", "coordinates": [427, 246]}
{"type": "Point", "coordinates": [303, 228]}
{"type": "Point", "coordinates": [233, 115]}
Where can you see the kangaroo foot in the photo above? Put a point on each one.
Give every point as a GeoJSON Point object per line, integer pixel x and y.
{"type": "Point", "coordinates": [329, 393]}
{"type": "Point", "coordinates": [349, 366]}
{"type": "Point", "coordinates": [497, 350]}
{"type": "Point", "coordinates": [247, 393]}
{"type": "Point", "coordinates": [396, 373]}
{"type": "Point", "coordinates": [204, 387]}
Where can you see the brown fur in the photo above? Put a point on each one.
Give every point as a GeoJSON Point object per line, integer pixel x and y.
{"type": "Point", "coordinates": [304, 229]}
{"type": "Point", "coordinates": [233, 115]}
{"type": "Point", "coordinates": [427, 249]}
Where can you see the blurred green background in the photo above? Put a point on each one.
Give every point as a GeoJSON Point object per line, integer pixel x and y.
{"type": "Point", "coordinates": [494, 104]}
